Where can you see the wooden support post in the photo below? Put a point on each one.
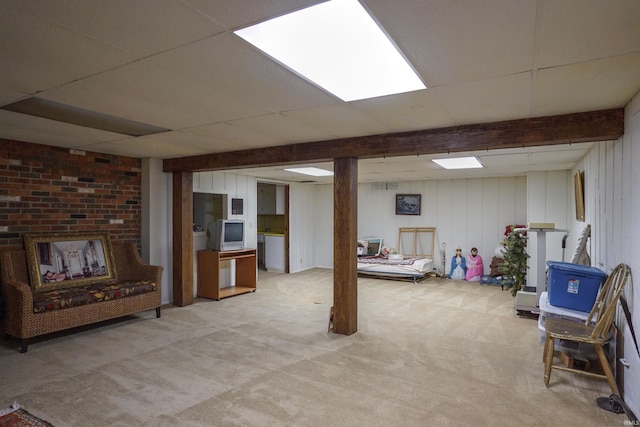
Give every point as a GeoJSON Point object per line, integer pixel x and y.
{"type": "Point", "coordinates": [182, 238]}
{"type": "Point", "coordinates": [345, 236]}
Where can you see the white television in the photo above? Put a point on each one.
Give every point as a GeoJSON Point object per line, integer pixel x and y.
{"type": "Point", "coordinates": [227, 235]}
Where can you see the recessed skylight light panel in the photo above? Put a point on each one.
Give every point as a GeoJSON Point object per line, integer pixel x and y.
{"type": "Point", "coordinates": [339, 47]}
{"type": "Point", "coordinates": [311, 171]}
{"type": "Point", "coordinates": [459, 163]}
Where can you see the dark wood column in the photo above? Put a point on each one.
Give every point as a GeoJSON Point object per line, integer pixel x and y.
{"type": "Point", "coordinates": [182, 238]}
{"type": "Point", "coordinates": [345, 235]}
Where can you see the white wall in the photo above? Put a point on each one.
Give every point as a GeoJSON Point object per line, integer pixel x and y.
{"type": "Point", "coordinates": [237, 187]}
{"type": "Point", "coordinates": [612, 203]}
{"type": "Point", "coordinates": [465, 212]}
{"type": "Point", "coordinates": [302, 221]}
{"type": "Point", "coordinates": [548, 200]}
{"type": "Point", "coordinates": [323, 226]}
{"type": "Point", "coordinates": [157, 236]}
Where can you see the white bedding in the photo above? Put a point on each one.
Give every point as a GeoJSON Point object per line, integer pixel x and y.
{"type": "Point", "coordinates": [418, 268]}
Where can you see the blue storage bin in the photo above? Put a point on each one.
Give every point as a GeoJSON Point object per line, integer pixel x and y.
{"type": "Point", "coordinates": [573, 286]}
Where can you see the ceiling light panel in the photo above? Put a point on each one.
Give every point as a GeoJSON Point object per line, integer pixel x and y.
{"type": "Point", "coordinates": [459, 163]}
{"type": "Point", "coordinates": [339, 47]}
{"type": "Point", "coordinates": [310, 171]}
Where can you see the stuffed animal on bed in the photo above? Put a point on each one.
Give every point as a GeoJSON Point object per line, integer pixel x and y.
{"type": "Point", "coordinates": [458, 266]}
{"type": "Point", "coordinates": [386, 251]}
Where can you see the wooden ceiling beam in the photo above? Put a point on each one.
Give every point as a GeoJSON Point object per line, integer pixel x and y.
{"type": "Point", "coordinates": [591, 126]}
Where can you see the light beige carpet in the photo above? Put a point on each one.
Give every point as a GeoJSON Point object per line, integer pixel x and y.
{"type": "Point", "coordinates": [434, 354]}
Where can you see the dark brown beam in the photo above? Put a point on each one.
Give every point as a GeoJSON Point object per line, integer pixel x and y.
{"type": "Point", "coordinates": [552, 130]}
{"type": "Point", "coordinates": [345, 238]}
{"type": "Point", "coordinates": [182, 239]}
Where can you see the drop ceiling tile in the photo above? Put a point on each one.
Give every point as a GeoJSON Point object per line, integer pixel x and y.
{"type": "Point", "coordinates": [38, 55]}
{"type": "Point", "coordinates": [519, 159]}
{"type": "Point", "coordinates": [480, 101]}
{"type": "Point", "coordinates": [146, 92]}
{"type": "Point", "coordinates": [392, 169]}
{"type": "Point", "coordinates": [143, 147]}
{"type": "Point", "coordinates": [557, 166]}
{"type": "Point", "coordinates": [339, 121]}
{"type": "Point", "coordinates": [594, 85]}
{"type": "Point", "coordinates": [577, 31]}
{"type": "Point", "coordinates": [18, 81]}
{"type": "Point", "coordinates": [209, 139]}
{"type": "Point", "coordinates": [236, 69]}
{"type": "Point", "coordinates": [560, 156]}
{"type": "Point", "coordinates": [251, 11]}
{"type": "Point", "coordinates": [278, 173]}
{"type": "Point", "coordinates": [552, 159]}
{"type": "Point", "coordinates": [281, 129]}
{"type": "Point", "coordinates": [579, 146]}
{"type": "Point", "coordinates": [407, 111]}
{"type": "Point", "coordinates": [140, 27]}
{"type": "Point", "coordinates": [222, 137]}
{"type": "Point", "coordinates": [456, 41]}
{"type": "Point", "coordinates": [186, 141]}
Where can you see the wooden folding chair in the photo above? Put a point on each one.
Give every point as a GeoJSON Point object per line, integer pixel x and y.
{"type": "Point", "coordinates": [597, 333]}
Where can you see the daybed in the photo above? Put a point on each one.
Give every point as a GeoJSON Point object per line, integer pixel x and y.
{"type": "Point", "coordinates": [29, 314]}
{"type": "Point", "coordinates": [407, 268]}
{"type": "Point", "coordinates": [414, 261]}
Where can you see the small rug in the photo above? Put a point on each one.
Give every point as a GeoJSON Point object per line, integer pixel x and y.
{"type": "Point", "coordinates": [15, 416]}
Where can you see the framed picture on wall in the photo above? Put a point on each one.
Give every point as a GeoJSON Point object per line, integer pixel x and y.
{"type": "Point", "coordinates": [237, 206]}
{"type": "Point", "coordinates": [408, 204]}
{"type": "Point", "coordinates": [578, 183]}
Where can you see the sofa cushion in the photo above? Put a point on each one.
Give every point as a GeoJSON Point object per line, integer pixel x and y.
{"type": "Point", "coordinates": [70, 297]}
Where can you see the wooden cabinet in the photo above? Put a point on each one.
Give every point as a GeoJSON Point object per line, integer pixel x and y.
{"type": "Point", "coordinates": [280, 197]}
{"type": "Point", "coordinates": [266, 199]}
{"type": "Point", "coordinates": [209, 273]}
{"type": "Point", "coordinates": [271, 199]}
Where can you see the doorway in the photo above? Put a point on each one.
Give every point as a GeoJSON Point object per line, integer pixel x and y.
{"type": "Point", "coordinates": [273, 227]}
{"type": "Point", "coordinates": [208, 207]}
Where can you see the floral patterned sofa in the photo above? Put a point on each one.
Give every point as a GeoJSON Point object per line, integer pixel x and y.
{"type": "Point", "coordinates": [29, 314]}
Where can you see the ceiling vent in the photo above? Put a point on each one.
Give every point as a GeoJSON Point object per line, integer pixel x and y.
{"type": "Point", "coordinates": [384, 186]}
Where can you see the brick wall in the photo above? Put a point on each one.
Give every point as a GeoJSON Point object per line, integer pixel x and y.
{"type": "Point", "coordinates": [52, 189]}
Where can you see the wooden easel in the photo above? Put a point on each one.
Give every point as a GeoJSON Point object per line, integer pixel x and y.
{"type": "Point", "coordinates": [416, 241]}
